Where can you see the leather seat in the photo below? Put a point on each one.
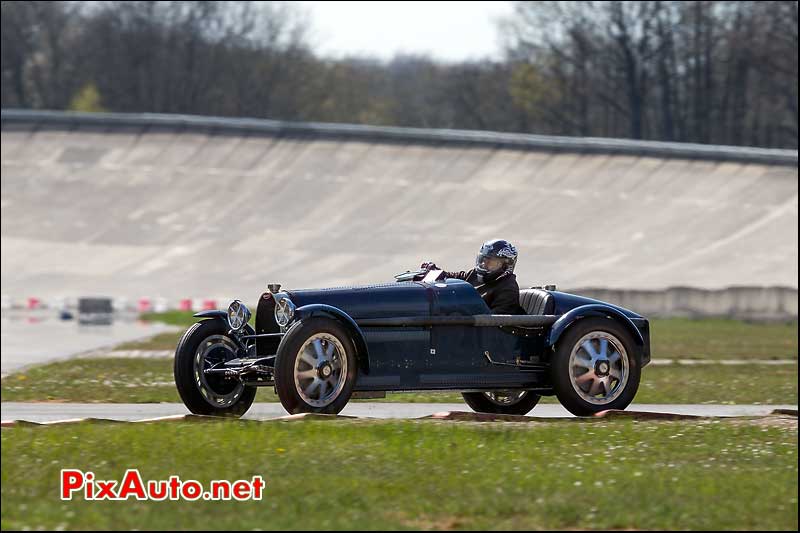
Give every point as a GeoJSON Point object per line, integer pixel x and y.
{"type": "Point", "coordinates": [536, 302]}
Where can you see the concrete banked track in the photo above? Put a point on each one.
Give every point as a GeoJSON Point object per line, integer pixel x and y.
{"type": "Point", "coordinates": [181, 207]}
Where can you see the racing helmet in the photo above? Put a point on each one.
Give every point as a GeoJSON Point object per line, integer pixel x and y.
{"type": "Point", "coordinates": [495, 258]}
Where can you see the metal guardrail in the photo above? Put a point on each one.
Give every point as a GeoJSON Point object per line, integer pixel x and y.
{"type": "Point", "coordinates": [437, 137]}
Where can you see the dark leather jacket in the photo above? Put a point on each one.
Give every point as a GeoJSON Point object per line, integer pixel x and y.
{"type": "Point", "coordinates": [501, 294]}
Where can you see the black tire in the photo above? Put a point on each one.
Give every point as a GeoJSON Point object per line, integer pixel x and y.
{"type": "Point", "coordinates": [197, 394]}
{"type": "Point", "coordinates": [325, 330]}
{"type": "Point", "coordinates": [481, 403]}
{"type": "Point", "coordinates": [621, 395]}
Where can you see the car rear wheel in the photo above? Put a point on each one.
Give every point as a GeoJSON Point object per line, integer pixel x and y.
{"type": "Point", "coordinates": [595, 368]}
{"type": "Point", "coordinates": [507, 402]}
{"type": "Point", "coordinates": [203, 345]}
{"type": "Point", "coordinates": [316, 369]}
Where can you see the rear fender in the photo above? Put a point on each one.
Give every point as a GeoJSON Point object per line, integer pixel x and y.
{"type": "Point", "coordinates": [329, 311]}
{"type": "Point", "coordinates": [577, 314]}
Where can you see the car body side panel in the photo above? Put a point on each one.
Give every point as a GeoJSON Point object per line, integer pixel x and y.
{"type": "Point", "coordinates": [461, 349]}
{"type": "Point", "coordinates": [455, 297]}
{"type": "Point", "coordinates": [454, 358]}
{"type": "Point", "coordinates": [396, 355]}
{"type": "Point", "coordinates": [456, 348]}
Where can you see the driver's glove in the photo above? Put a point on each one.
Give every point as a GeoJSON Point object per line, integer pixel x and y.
{"type": "Point", "coordinates": [428, 265]}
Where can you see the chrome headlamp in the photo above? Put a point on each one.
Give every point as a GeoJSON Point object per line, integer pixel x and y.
{"type": "Point", "coordinates": [284, 311]}
{"type": "Point", "coordinates": [238, 315]}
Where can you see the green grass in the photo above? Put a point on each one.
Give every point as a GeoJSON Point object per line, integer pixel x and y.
{"type": "Point", "coordinates": [764, 384]}
{"type": "Point", "coordinates": [125, 380]}
{"type": "Point", "coordinates": [723, 339]}
{"type": "Point", "coordinates": [599, 474]}
{"type": "Point", "coordinates": [162, 341]}
{"type": "Point", "coordinates": [116, 380]}
{"type": "Point", "coordinates": [176, 318]}
{"type": "Point", "coordinates": [670, 338]}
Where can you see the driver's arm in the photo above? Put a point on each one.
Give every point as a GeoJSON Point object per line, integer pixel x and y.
{"type": "Point", "coordinates": [457, 275]}
{"type": "Point", "coordinates": [430, 265]}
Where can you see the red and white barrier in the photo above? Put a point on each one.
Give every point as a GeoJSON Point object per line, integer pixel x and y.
{"type": "Point", "coordinates": [145, 306]}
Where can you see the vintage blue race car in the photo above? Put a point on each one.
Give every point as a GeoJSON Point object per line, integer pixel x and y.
{"type": "Point", "coordinates": [319, 347]}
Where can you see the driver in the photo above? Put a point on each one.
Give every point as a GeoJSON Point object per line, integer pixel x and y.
{"type": "Point", "coordinates": [493, 276]}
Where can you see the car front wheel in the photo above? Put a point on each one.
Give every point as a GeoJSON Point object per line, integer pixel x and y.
{"type": "Point", "coordinates": [316, 368]}
{"type": "Point", "coordinates": [203, 345]}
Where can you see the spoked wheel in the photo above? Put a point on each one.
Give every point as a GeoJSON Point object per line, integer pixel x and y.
{"type": "Point", "coordinates": [510, 402]}
{"type": "Point", "coordinates": [598, 367]}
{"type": "Point", "coordinates": [594, 367]}
{"type": "Point", "coordinates": [315, 370]}
{"type": "Point", "coordinates": [212, 351]}
{"type": "Point", "coordinates": [202, 346]}
{"type": "Point", "coordinates": [320, 369]}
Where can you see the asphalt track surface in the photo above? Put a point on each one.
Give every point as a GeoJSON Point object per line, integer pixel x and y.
{"type": "Point", "coordinates": [49, 412]}
{"type": "Point", "coordinates": [178, 214]}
